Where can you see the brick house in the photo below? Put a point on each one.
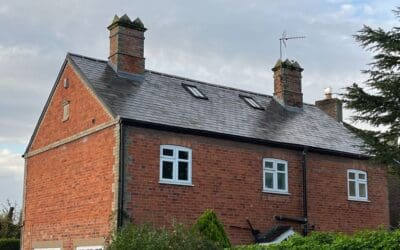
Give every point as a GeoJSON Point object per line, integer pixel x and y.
{"type": "Point", "coordinates": [117, 142]}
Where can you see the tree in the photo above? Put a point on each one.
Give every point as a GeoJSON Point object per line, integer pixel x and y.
{"type": "Point", "coordinates": [10, 222]}
{"type": "Point", "coordinates": [377, 103]}
{"type": "Point", "coordinates": [209, 226]}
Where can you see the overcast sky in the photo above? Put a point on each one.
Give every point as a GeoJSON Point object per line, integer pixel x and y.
{"type": "Point", "coordinates": [229, 42]}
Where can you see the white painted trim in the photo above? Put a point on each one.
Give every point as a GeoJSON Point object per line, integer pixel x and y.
{"type": "Point", "coordinates": [72, 138]}
{"type": "Point", "coordinates": [274, 171]}
{"type": "Point", "coordinates": [357, 182]}
{"type": "Point", "coordinates": [175, 161]}
{"type": "Point", "coordinates": [97, 247]}
{"type": "Point", "coordinates": [290, 232]}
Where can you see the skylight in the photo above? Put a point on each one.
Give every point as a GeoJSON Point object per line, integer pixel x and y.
{"type": "Point", "coordinates": [250, 101]}
{"type": "Point", "coordinates": [194, 91]}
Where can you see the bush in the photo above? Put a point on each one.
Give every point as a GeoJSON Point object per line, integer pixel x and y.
{"type": "Point", "coordinates": [147, 237]}
{"type": "Point", "coordinates": [379, 239]}
{"type": "Point", "coordinates": [9, 244]}
{"type": "Point", "coordinates": [209, 226]}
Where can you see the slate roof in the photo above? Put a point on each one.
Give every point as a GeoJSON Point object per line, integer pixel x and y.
{"type": "Point", "coordinates": [160, 98]}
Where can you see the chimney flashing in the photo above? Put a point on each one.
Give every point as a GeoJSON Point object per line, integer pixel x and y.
{"type": "Point", "coordinates": [287, 107]}
{"type": "Point", "coordinates": [125, 74]}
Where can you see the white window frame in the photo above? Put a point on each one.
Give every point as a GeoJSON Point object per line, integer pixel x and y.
{"type": "Point", "coordinates": [357, 181]}
{"type": "Point", "coordinates": [90, 247]}
{"type": "Point", "coordinates": [175, 163]}
{"type": "Point", "coordinates": [194, 91]}
{"type": "Point", "coordinates": [274, 170]}
{"type": "Point", "coordinates": [251, 102]}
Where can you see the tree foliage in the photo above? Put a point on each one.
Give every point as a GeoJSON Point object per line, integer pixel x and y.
{"type": "Point", "coordinates": [209, 226]}
{"type": "Point", "coordinates": [10, 224]}
{"type": "Point", "coordinates": [146, 237]}
{"type": "Point", "coordinates": [377, 103]}
{"type": "Point", "coordinates": [378, 239]}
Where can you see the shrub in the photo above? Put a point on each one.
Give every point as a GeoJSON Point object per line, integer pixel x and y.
{"type": "Point", "coordinates": [379, 239]}
{"type": "Point", "coordinates": [9, 244]}
{"type": "Point", "coordinates": [147, 237]}
{"type": "Point", "coordinates": [209, 226]}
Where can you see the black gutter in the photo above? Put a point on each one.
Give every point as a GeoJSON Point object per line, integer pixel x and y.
{"type": "Point", "coordinates": [293, 146]}
{"type": "Point", "coordinates": [305, 211]}
{"type": "Point", "coordinates": [121, 178]}
{"type": "Point", "coordinates": [291, 218]}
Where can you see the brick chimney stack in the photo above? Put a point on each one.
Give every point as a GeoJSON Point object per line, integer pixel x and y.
{"type": "Point", "coordinates": [287, 83]}
{"type": "Point", "coordinates": [331, 106]}
{"type": "Point", "coordinates": [127, 45]}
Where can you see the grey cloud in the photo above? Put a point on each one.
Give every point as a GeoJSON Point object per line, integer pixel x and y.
{"type": "Point", "coordinates": [231, 42]}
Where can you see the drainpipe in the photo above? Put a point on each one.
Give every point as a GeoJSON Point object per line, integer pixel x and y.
{"type": "Point", "coordinates": [121, 179]}
{"type": "Point", "coordinates": [305, 212]}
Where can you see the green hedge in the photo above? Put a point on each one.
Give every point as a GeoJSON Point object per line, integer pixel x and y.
{"type": "Point", "coordinates": [207, 233]}
{"type": "Point", "coordinates": [146, 237]}
{"type": "Point", "coordinates": [9, 244]}
{"type": "Point", "coordinates": [379, 239]}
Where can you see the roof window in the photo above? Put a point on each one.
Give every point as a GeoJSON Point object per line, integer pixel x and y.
{"type": "Point", "coordinates": [194, 91]}
{"type": "Point", "coordinates": [250, 101]}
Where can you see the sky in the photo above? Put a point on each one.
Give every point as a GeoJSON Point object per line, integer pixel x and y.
{"type": "Point", "coordinates": [228, 42]}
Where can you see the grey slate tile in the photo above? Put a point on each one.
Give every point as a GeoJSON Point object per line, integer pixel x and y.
{"type": "Point", "coordinates": [160, 98]}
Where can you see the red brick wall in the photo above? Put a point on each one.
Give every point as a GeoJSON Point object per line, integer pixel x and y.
{"type": "Point", "coordinates": [329, 208]}
{"type": "Point", "coordinates": [227, 176]}
{"type": "Point", "coordinates": [52, 128]}
{"type": "Point", "coordinates": [70, 189]}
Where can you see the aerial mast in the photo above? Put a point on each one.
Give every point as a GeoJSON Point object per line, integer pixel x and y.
{"type": "Point", "coordinates": [283, 40]}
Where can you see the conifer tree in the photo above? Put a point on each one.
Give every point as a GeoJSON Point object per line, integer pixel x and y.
{"type": "Point", "coordinates": [377, 101]}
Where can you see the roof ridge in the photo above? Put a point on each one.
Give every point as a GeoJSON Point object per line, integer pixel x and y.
{"type": "Point", "coordinates": [207, 83]}
{"type": "Point", "coordinates": [86, 57]}
{"type": "Point", "coordinates": [185, 78]}
{"type": "Point", "coordinates": [214, 85]}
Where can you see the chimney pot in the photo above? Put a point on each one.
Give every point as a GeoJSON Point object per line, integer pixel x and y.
{"type": "Point", "coordinates": [328, 93]}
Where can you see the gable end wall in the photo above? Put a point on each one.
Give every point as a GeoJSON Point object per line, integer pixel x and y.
{"type": "Point", "coordinates": [71, 170]}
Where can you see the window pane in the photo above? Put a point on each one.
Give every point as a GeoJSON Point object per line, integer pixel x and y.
{"type": "Point", "coordinates": [269, 180]}
{"type": "Point", "coordinates": [281, 181]}
{"type": "Point", "coordinates": [183, 155]}
{"type": "Point", "coordinates": [363, 190]}
{"type": "Point", "coordinates": [183, 171]}
{"type": "Point", "coordinates": [195, 91]}
{"type": "Point", "coordinates": [361, 176]}
{"type": "Point", "coordinates": [168, 152]}
{"type": "Point", "coordinates": [352, 188]}
{"type": "Point", "coordinates": [269, 164]}
{"type": "Point", "coordinates": [281, 167]}
{"type": "Point", "coordinates": [167, 169]}
{"type": "Point", "coordinates": [352, 175]}
{"type": "Point", "coordinates": [252, 102]}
